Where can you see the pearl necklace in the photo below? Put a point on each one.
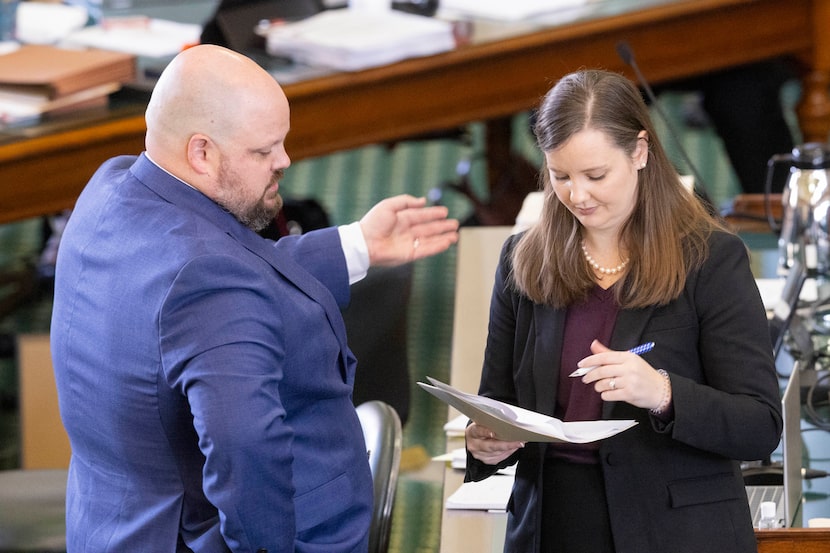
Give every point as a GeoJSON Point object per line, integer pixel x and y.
{"type": "Point", "coordinates": [603, 271]}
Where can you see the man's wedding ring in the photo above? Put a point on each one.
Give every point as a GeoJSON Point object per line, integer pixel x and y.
{"type": "Point", "coordinates": [613, 384]}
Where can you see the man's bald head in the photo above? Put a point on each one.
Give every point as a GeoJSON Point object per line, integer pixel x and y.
{"type": "Point", "coordinates": [207, 90]}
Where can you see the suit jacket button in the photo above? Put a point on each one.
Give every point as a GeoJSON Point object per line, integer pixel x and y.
{"type": "Point", "coordinates": [261, 550]}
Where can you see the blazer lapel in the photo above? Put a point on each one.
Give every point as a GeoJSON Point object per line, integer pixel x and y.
{"type": "Point", "coordinates": [549, 332]}
{"type": "Point", "coordinates": [628, 332]}
{"type": "Point", "coordinates": [178, 192]}
{"type": "Point", "coordinates": [629, 327]}
{"type": "Point", "coordinates": [298, 276]}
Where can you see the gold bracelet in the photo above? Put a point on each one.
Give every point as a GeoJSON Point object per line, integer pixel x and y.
{"type": "Point", "coordinates": [664, 403]}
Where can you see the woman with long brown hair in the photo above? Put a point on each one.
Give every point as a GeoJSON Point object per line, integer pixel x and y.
{"type": "Point", "coordinates": [624, 254]}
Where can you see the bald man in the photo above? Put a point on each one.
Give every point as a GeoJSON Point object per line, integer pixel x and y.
{"type": "Point", "coordinates": [203, 373]}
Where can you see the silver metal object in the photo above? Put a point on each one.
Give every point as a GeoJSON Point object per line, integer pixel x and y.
{"type": "Point", "coordinates": [805, 228]}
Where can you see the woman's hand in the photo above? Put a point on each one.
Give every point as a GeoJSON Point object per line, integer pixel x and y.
{"type": "Point", "coordinates": [484, 446]}
{"type": "Point", "coordinates": [624, 376]}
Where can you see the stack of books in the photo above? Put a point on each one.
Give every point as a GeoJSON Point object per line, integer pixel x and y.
{"type": "Point", "coordinates": [40, 79]}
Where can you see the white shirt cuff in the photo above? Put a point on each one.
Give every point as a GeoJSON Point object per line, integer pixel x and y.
{"type": "Point", "coordinates": [355, 250]}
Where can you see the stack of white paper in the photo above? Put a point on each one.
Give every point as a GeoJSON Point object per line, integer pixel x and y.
{"type": "Point", "coordinates": [350, 40]}
{"type": "Point", "coordinates": [40, 78]}
{"type": "Point", "coordinates": [512, 10]}
{"type": "Point", "coordinates": [154, 38]}
{"type": "Point", "coordinates": [22, 107]}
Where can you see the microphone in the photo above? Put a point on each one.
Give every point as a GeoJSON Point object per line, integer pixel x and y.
{"type": "Point", "coordinates": [627, 55]}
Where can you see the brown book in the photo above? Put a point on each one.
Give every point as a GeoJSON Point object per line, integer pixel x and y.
{"type": "Point", "coordinates": [54, 72]}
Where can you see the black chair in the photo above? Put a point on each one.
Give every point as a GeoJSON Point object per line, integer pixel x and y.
{"type": "Point", "coordinates": [384, 438]}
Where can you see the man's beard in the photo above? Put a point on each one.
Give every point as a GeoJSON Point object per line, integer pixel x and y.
{"type": "Point", "coordinates": [256, 216]}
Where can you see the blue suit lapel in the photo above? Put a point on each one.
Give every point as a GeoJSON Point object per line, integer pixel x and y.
{"type": "Point", "coordinates": [294, 273]}
{"type": "Point", "coordinates": [176, 192]}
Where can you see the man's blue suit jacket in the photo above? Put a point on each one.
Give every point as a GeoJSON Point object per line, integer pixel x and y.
{"type": "Point", "coordinates": [203, 377]}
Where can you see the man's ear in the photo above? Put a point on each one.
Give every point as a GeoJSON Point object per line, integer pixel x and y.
{"type": "Point", "coordinates": [200, 154]}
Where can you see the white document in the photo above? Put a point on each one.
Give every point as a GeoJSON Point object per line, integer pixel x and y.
{"type": "Point", "coordinates": [491, 494]}
{"type": "Point", "coordinates": [513, 423]}
{"type": "Point", "coordinates": [351, 40]}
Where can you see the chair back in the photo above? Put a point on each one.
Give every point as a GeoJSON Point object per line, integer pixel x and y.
{"type": "Point", "coordinates": [384, 437]}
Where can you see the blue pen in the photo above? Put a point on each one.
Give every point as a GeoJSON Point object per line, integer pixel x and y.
{"type": "Point", "coordinates": [639, 350]}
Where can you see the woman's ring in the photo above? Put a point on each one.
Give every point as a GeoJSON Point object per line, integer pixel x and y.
{"type": "Point", "coordinates": [416, 243]}
{"type": "Point", "coordinates": [613, 384]}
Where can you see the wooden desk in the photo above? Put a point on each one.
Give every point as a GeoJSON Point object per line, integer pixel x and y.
{"type": "Point", "coordinates": [485, 81]}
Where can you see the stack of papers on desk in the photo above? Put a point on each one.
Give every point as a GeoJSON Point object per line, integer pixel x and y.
{"type": "Point", "coordinates": [38, 79]}
{"type": "Point", "coordinates": [490, 494]}
{"type": "Point", "coordinates": [505, 10]}
{"type": "Point", "coordinates": [25, 107]}
{"type": "Point", "coordinates": [513, 423]}
{"type": "Point", "coordinates": [149, 37]}
{"type": "Point", "coordinates": [351, 40]}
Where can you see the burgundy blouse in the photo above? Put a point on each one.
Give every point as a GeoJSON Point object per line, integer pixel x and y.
{"type": "Point", "coordinates": [591, 320]}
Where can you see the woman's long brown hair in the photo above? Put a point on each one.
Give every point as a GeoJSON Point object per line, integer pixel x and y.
{"type": "Point", "coordinates": [666, 235]}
